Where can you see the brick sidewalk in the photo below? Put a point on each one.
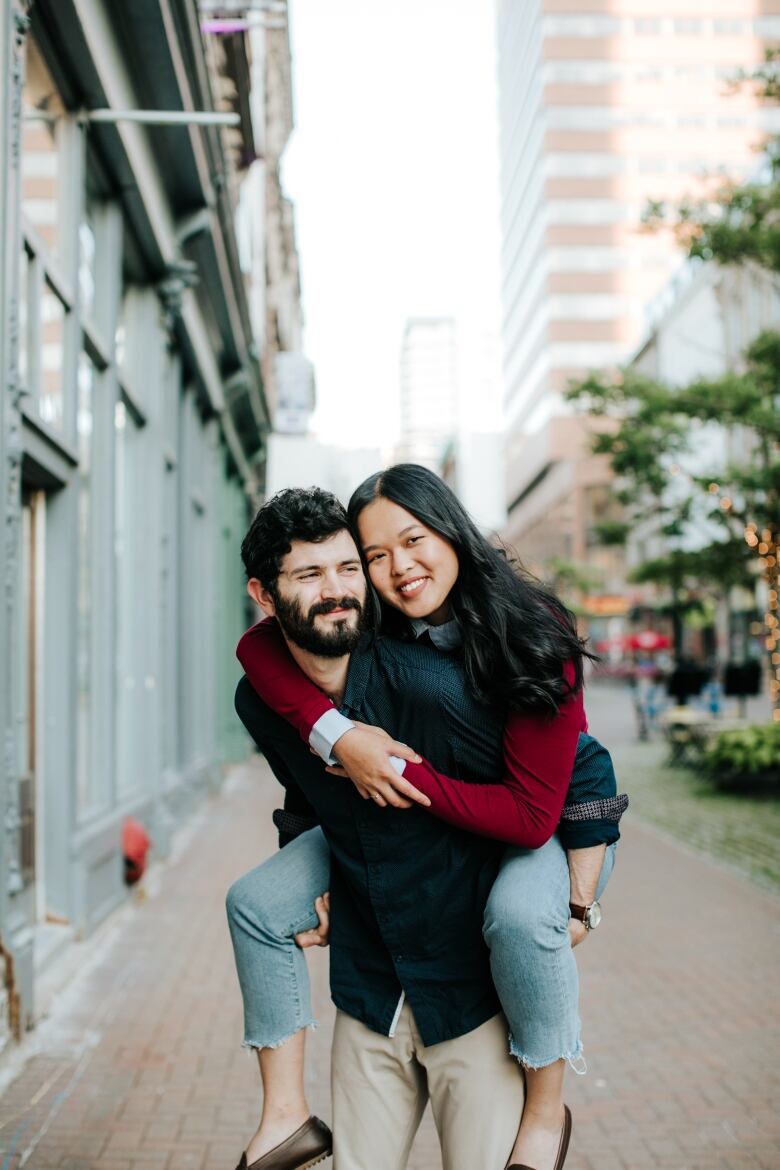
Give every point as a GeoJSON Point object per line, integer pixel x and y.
{"type": "Point", "coordinates": [139, 1065]}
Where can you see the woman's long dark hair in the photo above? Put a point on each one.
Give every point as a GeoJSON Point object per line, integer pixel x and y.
{"type": "Point", "coordinates": [517, 635]}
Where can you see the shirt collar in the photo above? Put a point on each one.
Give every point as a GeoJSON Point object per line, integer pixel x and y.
{"type": "Point", "coordinates": [444, 637]}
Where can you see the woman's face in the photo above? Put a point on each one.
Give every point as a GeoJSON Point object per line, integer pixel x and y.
{"type": "Point", "coordinates": [411, 567]}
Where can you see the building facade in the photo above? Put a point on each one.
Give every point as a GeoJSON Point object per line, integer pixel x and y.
{"type": "Point", "coordinates": [601, 110]}
{"type": "Point", "coordinates": [288, 375]}
{"type": "Point", "coordinates": [132, 434]}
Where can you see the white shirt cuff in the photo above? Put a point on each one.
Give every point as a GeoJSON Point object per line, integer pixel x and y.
{"type": "Point", "coordinates": [326, 733]}
{"type": "Point", "coordinates": [398, 764]}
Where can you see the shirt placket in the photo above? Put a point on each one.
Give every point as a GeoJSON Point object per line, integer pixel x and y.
{"type": "Point", "coordinates": [373, 843]}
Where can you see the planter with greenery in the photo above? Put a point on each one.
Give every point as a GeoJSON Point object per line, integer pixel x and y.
{"type": "Point", "coordinates": [747, 758]}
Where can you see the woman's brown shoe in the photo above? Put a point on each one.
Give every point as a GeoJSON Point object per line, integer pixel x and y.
{"type": "Point", "coordinates": [312, 1142]}
{"type": "Point", "coordinates": [563, 1148]}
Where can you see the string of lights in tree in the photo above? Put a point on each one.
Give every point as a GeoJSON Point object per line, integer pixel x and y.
{"type": "Point", "coordinates": [767, 546]}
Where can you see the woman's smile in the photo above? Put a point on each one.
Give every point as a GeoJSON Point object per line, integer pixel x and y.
{"type": "Point", "coordinates": [413, 587]}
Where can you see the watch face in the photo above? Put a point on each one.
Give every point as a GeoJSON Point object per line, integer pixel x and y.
{"type": "Point", "coordinates": [594, 916]}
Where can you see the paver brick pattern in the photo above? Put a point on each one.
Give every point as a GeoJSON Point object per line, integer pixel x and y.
{"type": "Point", "coordinates": [138, 1065]}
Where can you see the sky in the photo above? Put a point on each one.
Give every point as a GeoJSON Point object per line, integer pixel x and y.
{"type": "Point", "coordinates": [393, 170]}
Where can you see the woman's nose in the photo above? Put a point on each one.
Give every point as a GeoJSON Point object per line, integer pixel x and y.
{"type": "Point", "coordinates": [401, 562]}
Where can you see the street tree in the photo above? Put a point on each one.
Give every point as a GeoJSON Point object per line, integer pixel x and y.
{"type": "Point", "coordinates": [735, 506]}
{"type": "Point", "coordinates": [570, 578]}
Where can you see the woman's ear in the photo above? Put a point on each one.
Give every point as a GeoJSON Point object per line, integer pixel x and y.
{"type": "Point", "coordinates": [261, 596]}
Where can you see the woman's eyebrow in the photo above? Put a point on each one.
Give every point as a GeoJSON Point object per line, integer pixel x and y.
{"type": "Point", "coordinates": [403, 532]}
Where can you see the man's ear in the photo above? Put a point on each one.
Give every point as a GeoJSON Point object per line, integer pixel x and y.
{"type": "Point", "coordinates": [261, 596]}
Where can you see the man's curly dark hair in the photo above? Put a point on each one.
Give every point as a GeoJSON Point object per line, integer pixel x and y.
{"type": "Point", "coordinates": [309, 514]}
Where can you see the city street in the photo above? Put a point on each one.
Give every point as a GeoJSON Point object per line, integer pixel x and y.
{"type": "Point", "coordinates": [139, 1067]}
{"type": "Point", "coordinates": [280, 274]}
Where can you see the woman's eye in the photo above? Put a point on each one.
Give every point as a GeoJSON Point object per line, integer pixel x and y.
{"type": "Point", "coordinates": [414, 539]}
{"type": "Point", "coordinates": [378, 557]}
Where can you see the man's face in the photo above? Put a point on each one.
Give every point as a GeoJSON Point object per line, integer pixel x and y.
{"type": "Point", "coordinates": [320, 595]}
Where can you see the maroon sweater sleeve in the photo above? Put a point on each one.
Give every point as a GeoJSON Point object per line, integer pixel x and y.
{"type": "Point", "coordinates": [277, 678]}
{"type": "Point", "coordinates": [524, 808]}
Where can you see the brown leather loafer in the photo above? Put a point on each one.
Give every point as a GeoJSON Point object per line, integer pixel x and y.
{"type": "Point", "coordinates": [563, 1148]}
{"type": "Point", "coordinates": [307, 1146]}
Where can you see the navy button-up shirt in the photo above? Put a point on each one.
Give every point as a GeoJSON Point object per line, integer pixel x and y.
{"type": "Point", "coordinates": [407, 891]}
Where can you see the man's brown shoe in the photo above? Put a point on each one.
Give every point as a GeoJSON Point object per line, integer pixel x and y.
{"type": "Point", "coordinates": [563, 1148]}
{"type": "Point", "coordinates": [307, 1146]}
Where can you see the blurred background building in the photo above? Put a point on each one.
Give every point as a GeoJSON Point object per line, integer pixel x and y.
{"type": "Point", "coordinates": [450, 413]}
{"type": "Point", "coordinates": [288, 376]}
{"type": "Point", "coordinates": [429, 390]}
{"type": "Point", "coordinates": [600, 111]}
{"type": "Point", "coordinates": [144, 287]}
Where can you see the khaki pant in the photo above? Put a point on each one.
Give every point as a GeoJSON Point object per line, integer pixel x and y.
{"type": "Point", "coordinates": [381, 1086]}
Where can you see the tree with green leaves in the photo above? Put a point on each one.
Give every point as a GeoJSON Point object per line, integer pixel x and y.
{"type": "Point", "coordinates": [570, 578]}
{"type": "Point", "coordinates": [736, 505]}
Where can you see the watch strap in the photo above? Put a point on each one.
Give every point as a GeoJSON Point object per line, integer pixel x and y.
{"type": "Point", "coordinates": [578, 912]}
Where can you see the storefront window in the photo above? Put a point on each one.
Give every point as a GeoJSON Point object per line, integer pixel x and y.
{"type": "Point", "coordinates": [120, 333]}
{"type": "Point", "coordinates": [132, 682]}
{"type": "Point", "coordinates": [24, 317]}
{"type": "Point", "coordinates": [87, 266]}
{"type": "Point", "coordinates": [85, 426]}
{"type": "Point", "coordinates": [40, 153]}
{"type": "Point", "coordinates": [125, 678]}
{"type": "Point", "coordinates": [44, 304]}
{"type": "Point", "coordinates": [50, 391]}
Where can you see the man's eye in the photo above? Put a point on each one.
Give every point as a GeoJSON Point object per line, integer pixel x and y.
{"type": "Point", "coordinates": [308, 577]}
{"type": "Point", "coordinates": [351, 568]}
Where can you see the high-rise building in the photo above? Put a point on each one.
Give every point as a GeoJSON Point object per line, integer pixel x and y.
{"type": "Point", "coordinates": [429, 390]}
{"type": "Point", "coordinates": [600, 111]}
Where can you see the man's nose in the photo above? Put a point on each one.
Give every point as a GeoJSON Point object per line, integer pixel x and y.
{"type": "Point", "coordinates": [331, 586]}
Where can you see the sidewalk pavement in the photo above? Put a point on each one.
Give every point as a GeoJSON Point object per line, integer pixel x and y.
{"type": "Point", "coordinates": [611, 715]}
{"type": "Point", "coordinates": [138, 1066]}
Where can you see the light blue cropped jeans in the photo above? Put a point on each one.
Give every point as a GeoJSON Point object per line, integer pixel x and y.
{"type": "Point", "coordinates": [526, 928]}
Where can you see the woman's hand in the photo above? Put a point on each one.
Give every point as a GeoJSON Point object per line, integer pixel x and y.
{"type": "Point", "coordinates": [364, 754]}
{"type": "Point", "coordinates": [318, 937]}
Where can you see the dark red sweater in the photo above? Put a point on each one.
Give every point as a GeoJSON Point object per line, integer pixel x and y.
{"type": "Point", "coordinates": [524, 809]}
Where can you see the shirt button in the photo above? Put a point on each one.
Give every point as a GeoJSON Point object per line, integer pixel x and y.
{"type": "Point", "coordinates": [399, 959]}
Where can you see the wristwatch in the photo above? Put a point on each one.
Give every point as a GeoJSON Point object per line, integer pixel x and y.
{"type": "Point", "coordinates": [589, 916]}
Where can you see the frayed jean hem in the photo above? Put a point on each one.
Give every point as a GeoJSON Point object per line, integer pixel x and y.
{"type": "Point", "coordinates": [575, 1060]}
{"type": "Point", "coordinates": [312, 1024]}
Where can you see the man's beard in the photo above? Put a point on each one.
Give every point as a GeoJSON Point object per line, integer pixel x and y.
{"type": "Point", "coordinates": [300, 628]}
